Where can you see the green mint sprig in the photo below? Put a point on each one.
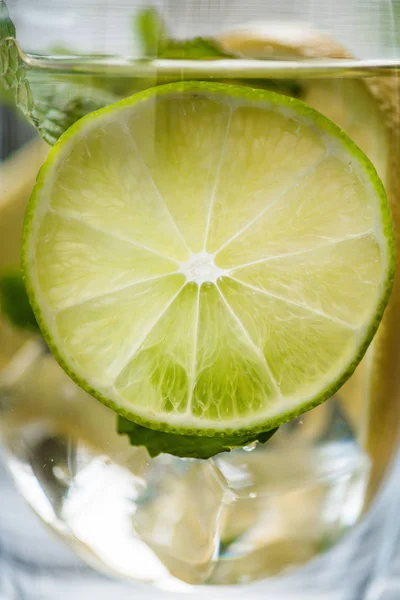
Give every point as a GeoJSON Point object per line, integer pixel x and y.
{"type": "Point", "coordinates": [51, 103]}
{"type": "Point", "coordinates": [12, 68]}
{"type": "Point", "coordinates": [14, 303]}
{"type": "Point", "coordinates": [156, 42]}
{"type": "Point", "coordinates": [185, 446]}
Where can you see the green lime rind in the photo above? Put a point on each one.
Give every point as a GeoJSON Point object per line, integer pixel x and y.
{"type": "Point", "coordinates": [185, 446]}
{"type": "Point", "coordinates": [252, 96]}
{"type": "Point", "coordinates": [14, 302]}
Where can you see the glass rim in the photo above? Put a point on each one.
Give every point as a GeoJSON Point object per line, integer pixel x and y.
{"type": "Point", "coordinates": [244, 68]}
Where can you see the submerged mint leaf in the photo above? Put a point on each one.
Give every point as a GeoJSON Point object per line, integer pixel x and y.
{"type": "Point", "coordinates": [290, 87]}
{"type": "Point", "coordinates": [7, 28]}
{"type": "Point", "coordinates": [60, 102]}
{"type": "Point", "coordinates": [51, 103]}
{"type": "Point", "coordinates": [14, 303]}
{"type": "Point", "coordinates": [185, 446]}
{"type": "Point", "coordinates": [12, 68]}
{"type": "Point", "coordinates": [151, 31]}
{"type": "Point", "coordinates": [155, 43]}
{"type": "Point", "coordinates": [195, 49]}
{"type": "Point", "coordinates": [154, 39]}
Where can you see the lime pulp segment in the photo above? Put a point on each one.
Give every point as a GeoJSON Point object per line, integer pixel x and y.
{"type": "Point", "coordinates": [208, 259]}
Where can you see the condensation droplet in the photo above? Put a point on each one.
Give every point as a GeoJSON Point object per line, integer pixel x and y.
{"type": "Point", "coordinates": [250, 447]}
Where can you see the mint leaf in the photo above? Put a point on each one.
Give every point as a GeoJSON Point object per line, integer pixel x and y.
{"type": "Point", "coordinates": [14, 303]}
{"type": "Point", "coordinates": [51, 103]}
{"type": "Point", "coordinates": [195, 49]}
{"type": "Point", "coordinates": [60, 102]}
{"type": "Point", "coordinates": [153, 37]}
{"type": "Point", "coordinates": [290, 87]}
{"type": "Point", "coordinates": [7, 28]}
{"type": "Point", "coordinates": [151, 31]}
{"type": "Point", "coordinates": [185, 446]}
{"type": "Point", "coordinates": [12, 68]}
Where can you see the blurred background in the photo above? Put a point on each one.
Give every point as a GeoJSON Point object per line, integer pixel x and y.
{"type": "Point", "coordinates": [43, 24]}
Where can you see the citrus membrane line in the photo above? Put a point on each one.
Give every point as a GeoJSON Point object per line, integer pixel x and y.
{"type": "Point", "coordinates": [111, 291]}
{"type": "Point", "coordinates": [155, 186]}
{"type": "Point", "coordinates": [254, 346]}
{"type": "Point", "coordinates": [313, 250]}
{"type": "Point", "coordinates": [217, 176]}
{"type": "Point", "coordinates": [148, 331]}
{"type": "Point", "coordinates": [73, 217]}
{"type": "Point", "coordinates": [293, 303]}
{"type": "Point", "coordinates": [194, 363]}
{"type": "Point", "coordinates": [304, 174]}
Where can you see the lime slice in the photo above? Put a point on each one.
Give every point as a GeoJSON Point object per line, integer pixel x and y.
{"type": "Point", "coordinates": [206, 259]}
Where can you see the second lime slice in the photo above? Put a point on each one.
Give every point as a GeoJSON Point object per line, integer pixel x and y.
{"type": "Point", "coordinates": [208, 259]}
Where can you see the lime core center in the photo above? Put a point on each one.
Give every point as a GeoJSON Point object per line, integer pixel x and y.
{"type": "Point", "coordinates": [201, 268]}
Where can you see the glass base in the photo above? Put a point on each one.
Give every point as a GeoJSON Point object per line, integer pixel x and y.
{"type": "Point", "coordinates": [256, 513]}
{"type": "Point", "coordinates": [182, 522]}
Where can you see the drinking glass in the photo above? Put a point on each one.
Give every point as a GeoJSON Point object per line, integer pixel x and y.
{"type": "Point", "coordinates": [311, 514]}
